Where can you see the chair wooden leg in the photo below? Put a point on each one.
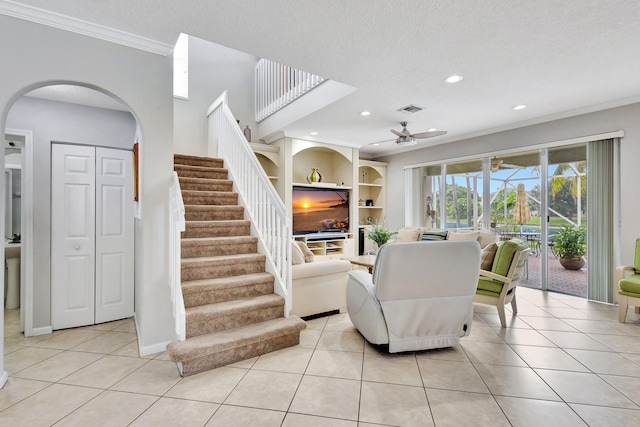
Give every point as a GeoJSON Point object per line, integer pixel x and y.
{"type": "Point", "coordinates": [503, 320]}
{"type": "Point", "coordinates": [623, 305]}
{"type": "Point", "coordinates": [514, 305]}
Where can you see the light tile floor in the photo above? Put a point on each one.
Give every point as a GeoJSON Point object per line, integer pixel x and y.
{"type": "Point", "coordinates": [563, 361]}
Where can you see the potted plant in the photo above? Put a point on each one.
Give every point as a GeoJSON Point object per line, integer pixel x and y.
{"type": "Point", "coordinates": [494, 220]}
{"type": "Point", "coordinates": [570, 246]}
{"type": "Point", "coordinates": [380, 234]}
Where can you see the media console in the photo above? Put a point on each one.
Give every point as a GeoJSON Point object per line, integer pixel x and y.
{"type": "Point", "coordinates": [325, 236]}
{"type": "Point", "coordinates": [329, 245]}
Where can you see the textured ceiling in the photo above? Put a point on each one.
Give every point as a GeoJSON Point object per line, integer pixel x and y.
{"type": "Point", "coordinates": [557, 57]}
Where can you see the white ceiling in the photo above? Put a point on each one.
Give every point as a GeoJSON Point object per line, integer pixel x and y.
{"type": "Point", "coordinates": [558, 57]}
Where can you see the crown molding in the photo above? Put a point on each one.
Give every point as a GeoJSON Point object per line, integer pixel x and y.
{"type": "Point", "coordinates": [74, 25]}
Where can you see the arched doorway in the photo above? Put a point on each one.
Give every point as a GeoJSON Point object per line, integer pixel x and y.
{"type": "Point", "coordinates": [68, 113]}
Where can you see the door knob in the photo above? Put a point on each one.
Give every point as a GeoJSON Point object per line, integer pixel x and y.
{"type": "Point", "coordinates": [76, 247]}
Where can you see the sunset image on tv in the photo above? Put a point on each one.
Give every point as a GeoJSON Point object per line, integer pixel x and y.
{"type": "Point", "coordinates": [320, 210]}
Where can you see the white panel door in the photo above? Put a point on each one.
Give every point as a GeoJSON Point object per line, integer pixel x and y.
{"type": "Point", "coordinates": [72, 236]}
{"type": "Point", "coordinates": [114, 235]}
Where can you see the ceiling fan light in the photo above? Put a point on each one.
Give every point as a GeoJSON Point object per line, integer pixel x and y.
{"type": "Point", "coordinates": [406, 142]}
{"type": "Point", "coordinates": [453, 79]}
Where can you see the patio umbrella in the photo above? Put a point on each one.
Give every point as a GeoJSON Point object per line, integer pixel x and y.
{"type": "Point", "coordinates": [521, 213]}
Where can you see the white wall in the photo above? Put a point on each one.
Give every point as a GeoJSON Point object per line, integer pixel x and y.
{"type": "Point", "coordinates": [60, 122]}
{"type": "Point", "coordinates": [143, 81]}
{"type": "Point", "coordinates": [626, 118]}
{"type": "Point", "coordinates": [212, 70]}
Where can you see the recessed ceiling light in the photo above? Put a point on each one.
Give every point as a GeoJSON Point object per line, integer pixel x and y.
{"type": "Point", "coordinates": [364, 113]}
{"type": "Point", "coordinates": [432, 130]}
{"type": "Point", "coordinates": [313, 133]}
{"type": "Point", "coordinates": [520, 107]}
{"type": "Point", "coordinates": [453, 79]}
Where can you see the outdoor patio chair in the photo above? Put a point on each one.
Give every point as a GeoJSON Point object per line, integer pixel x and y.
{"type": "Point", "coordinates": [498, 286]}
{"type": "Point", "coordinates": [628, 279]}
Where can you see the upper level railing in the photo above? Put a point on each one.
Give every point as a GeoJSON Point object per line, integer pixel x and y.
{"type": "Point", "coordinates": [268, 215]}
{"type": "Point", "coordinates": [277, 85]}
{"type": "Point", "coordinates": [176, 225]}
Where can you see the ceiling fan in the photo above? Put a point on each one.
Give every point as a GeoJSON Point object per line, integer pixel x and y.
{"type": "Point", "coordinates": [406, 138]}
{"type": "Point", "coordinates": [499, 164]}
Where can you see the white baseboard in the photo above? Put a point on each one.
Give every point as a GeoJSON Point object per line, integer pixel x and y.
{"type": "Point", "coordinates": [149, 349]}
{"type": "Point", "coordinates": [152, 349]}
{"type": "Point", "coordinates": [42, 331]}
{"type": "Point", "coordinates": [3, 379]}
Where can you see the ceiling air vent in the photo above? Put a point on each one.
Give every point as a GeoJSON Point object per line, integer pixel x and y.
{"type": "Point", "coordinates": [410, 109]}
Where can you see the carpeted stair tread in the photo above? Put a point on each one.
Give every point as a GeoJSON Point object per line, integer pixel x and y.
{"type": "Point", "coordinates": [178, 167]}
{"type": "Point", "coordinates": [185, 159]}
{"type": "Point", "coordinates": [225, 259]}
{"type": "Point", "coordinates": [232, 314]}
{"type": "Point", "coordinates": [206, 241]}
{"type": "Point", "coordinates": [218, 223]}
{"type": "Point", "coordinates": [185, 171]}
{"type": "Point", "coordinates": [211, 291]}
{"type": "Point", "coordinates": [226, 228]}
{"type": "Point", "coordinates": [208, 345]}
{"type": "Point", "coordinates": [221, 266]}
{"type": "Point", "coordinates": [213, 212]}
{"type": "Point", "coordinates": [203, 285]}
{"type": "Point", "coordinates": [195, 247]}
{"type": "Point", "coordinates": [227, 308]}
{"type": "Point", "coordinates": [193, 197]}
{"type": "Point", "coordinates": [205, 184]}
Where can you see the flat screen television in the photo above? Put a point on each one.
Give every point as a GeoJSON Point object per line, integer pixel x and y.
{"type": "Point", "coordinates": [317, 210]}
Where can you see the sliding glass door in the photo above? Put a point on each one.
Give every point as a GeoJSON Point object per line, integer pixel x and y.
{"type": "Point", "coordinates": [535, 195]}
{"type": "Point", "coordinates": [567, 219]}
{"type": "Point", "coordinates": [515, 196]}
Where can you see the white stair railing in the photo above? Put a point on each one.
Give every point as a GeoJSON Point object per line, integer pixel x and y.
{"type": "Point", "coordinates": [269, 218]}
{"type": "Point", "coordinates": [277, 85]}
{"type": "Point", "coordinates": [177, 225]}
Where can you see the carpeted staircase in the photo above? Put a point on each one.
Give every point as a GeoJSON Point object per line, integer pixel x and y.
{"type": "Point", "coordinates": [232, 312]}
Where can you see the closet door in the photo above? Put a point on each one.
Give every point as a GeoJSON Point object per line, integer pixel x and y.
{"type": "Point", "coordinates": [72, 235]}
{"type": "Point", "coordinates": [114, 235]}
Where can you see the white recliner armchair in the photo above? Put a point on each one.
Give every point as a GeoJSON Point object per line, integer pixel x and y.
{"type": "Point", "coordinates": [419, 297]}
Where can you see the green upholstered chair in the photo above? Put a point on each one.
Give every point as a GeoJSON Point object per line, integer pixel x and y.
{"type": "Point", "coordinates": [628, 279]}
{"type": "Point", "coordinates": [498, 286]}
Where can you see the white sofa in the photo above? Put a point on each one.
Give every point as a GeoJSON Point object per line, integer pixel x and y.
{"type": "Point", "coordinates": [318, 286]}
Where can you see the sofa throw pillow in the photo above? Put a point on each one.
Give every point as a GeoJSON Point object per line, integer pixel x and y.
{"type": "Point", "coordinates": [306, 252]}
{"type": "Point", "coordinates": [487, 255]}
{"type": "Point", "coordinates": [434, 235]}
{"type": "Point", "coordinates": [486, 237]}
{"type": "Point", "coordinates": [297, 257]}
{"type": "Point", "coordinates": [408, 234]}
{"type": "Point", "coordinates": [467, 235]}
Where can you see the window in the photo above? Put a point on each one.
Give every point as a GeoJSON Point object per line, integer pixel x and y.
{"type": "Point", "coordinates": [181, 67]}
